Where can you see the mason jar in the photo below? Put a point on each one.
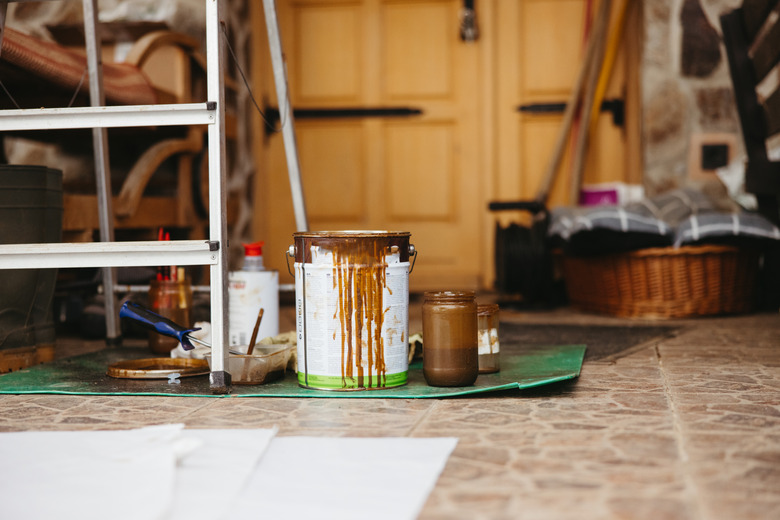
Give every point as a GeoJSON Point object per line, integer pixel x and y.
{"type": "Point", "coordinates": [450, 348]}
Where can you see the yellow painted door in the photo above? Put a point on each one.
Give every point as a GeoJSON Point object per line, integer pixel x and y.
{"type": "Point", "coordinates": [541, 48]}
{"type": "Point", "coordinates": [416, 174]}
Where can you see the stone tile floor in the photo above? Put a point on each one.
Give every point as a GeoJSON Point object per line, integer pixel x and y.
{"type": "Point", "coordinates": [686, 427]}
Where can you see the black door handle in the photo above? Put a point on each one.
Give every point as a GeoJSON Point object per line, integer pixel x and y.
{"type": "Point", "coordinates": [616, 106]}
{"type": "Point", "coordinates": [272, 113]}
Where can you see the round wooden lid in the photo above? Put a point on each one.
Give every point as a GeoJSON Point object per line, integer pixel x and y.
{"type": "Point", "coordinates": [158, 368]}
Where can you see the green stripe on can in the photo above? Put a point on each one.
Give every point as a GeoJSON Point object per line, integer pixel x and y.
{"type": "Point", "coordinates": [337, 383]}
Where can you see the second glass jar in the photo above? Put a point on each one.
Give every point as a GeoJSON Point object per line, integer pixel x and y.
{"type": "Point", "coordinates": [173, 300]}
{"type": "Point", "coordinates": [487, 320]}
{"type": "Point", "coordinates": [450, 340]}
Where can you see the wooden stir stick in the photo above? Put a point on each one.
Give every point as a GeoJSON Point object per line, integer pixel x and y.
{"type": "Point", "coordinates": [254, 332]}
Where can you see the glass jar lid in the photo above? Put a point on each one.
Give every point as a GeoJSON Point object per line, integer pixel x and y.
{"type": "Point", "coordinates": [449, 296]}
{"type": "Point", "coordinates": [486, 309]}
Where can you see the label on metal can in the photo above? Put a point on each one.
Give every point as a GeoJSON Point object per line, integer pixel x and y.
{"type": "Point", "coordinates": [352, 324]}
{"type": "Point", "coordinates": [248, 292]}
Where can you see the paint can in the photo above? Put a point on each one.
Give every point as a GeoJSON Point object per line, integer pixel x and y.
{"type": "Point", "coordinates": [352, 308]}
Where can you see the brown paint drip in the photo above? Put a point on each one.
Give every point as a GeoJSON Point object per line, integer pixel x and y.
{"type": "Point", "coordinates": [359, 274]}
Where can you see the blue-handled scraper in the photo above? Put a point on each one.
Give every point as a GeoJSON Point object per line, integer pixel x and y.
{"type": "Point", "coordinates": [160, 324]}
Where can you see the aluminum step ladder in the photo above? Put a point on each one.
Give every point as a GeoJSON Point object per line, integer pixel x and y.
{"type": "Point", "coordinates": [109, 254]}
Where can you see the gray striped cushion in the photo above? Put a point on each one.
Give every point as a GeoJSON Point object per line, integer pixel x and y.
{"type": "Point", "coordinates": [723, 226]}
{"type": "Point", "coordinates": [566, 222]}
{"type": "Point", "coordinates": [678, 217]}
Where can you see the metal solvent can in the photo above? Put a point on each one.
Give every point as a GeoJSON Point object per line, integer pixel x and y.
{"type": "Point", "coordinates": [249, 290]}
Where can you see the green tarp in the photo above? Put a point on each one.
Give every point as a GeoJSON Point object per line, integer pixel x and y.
{"type": "Point", "coordinates": [86, 375]}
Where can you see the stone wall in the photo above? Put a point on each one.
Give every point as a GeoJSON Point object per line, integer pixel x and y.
{"type": "Point", "coordinates": [686, 90]}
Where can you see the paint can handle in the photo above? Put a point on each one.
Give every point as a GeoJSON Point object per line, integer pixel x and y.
{"type": "Point", "coordinates": [290, 254]}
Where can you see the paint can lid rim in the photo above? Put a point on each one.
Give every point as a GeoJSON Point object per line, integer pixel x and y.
{"type": "Point", "coordinates": [351, 234]}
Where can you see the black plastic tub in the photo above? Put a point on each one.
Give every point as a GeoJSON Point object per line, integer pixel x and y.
{"type": "Point", "coordinates": [30, 212]}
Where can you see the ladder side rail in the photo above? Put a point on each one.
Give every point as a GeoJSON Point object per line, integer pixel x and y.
{"type": "Point", "coordinates": [219, 378]}
{"type": "Point", "coordinates": [285, 114]}
{"type": "Point", "coordinates": [97, 98]}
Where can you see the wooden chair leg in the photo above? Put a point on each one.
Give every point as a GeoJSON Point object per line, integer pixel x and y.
{"type": "Point", "coordinates": [135, 183]}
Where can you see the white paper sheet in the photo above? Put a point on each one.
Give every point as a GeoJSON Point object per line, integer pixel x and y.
{"type": "Point", "coordinates": [167, 472]}
{"type": "Point", "coordinates": [344, 478]}
{"type": "Point", "coordinates": [160, 472]}
{"type": "Point", "coordinates": [210, 479]}
{"type": "Point", "coordinates": [88, 475]}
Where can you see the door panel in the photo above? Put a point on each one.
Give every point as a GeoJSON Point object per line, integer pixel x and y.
{"type": "Point", "coordinates": [327, 55]}
{"type": "Point", "coordinates": [418, 49]}
{"type": "Point", "coordinates": [537, 134]}
{"type": "Point", "coordinates": [414, 174]}
{"type": "Point", "coordinates": [335, 155]}
{"type": "Point", "coordinates": [549, 32]}
{"type": "Point", "coordinates": [419, 166]}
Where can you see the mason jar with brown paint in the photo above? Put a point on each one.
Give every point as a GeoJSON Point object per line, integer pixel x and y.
{"type": "Point", "coordinates": [450, 340]}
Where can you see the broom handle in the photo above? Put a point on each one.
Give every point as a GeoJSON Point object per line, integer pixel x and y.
{"type": "Point", "coordinates": [599, 36]}
{"type": "Point", "coordinates": [568, 116]}
{"type": "Point", "coordinates": [613, 44]}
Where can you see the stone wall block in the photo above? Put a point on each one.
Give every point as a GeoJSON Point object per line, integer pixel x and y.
{"type": "Point", "coordinates": [666, 114]}
{"type": "Point", "coordinates": [700, 42]}
{"type": "Point", "coordinates": [717, 111]}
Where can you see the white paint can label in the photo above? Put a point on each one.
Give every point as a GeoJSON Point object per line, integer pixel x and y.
{"type": "Point", "coordinates": [352, 319]}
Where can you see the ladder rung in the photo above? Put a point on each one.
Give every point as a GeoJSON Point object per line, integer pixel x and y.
{"type": "Point", "coordinates": [108, 117]}
{"type": "Point", "coordinates": [108, 254]}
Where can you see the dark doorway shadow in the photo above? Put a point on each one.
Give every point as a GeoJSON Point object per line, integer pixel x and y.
{"type": "Point", "coordinates": [605, 342]}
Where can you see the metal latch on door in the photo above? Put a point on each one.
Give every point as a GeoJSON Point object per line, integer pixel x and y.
{"type": "Point", "coordinates": [617, 106]}
{"type": "Point", "coordinates": [272, 113]}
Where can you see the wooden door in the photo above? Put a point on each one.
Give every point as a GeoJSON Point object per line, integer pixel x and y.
{"type": "Point", "coordinates": [431, 174]}
{"type": "Point", "coordinates": [540, 52]}
{"type": "Point", "coordinates": [417, 173]}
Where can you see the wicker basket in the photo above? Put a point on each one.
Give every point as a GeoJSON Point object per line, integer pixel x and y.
{"type": "Point", "coordinates": [664, 282]}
